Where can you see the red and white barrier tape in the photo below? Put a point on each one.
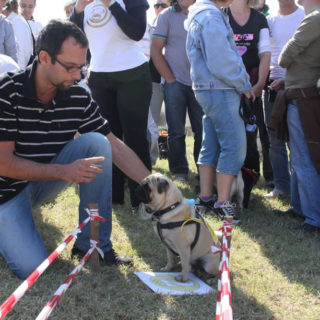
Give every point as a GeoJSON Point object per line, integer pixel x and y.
{"type": "Point", "coordinates": [7, 305]}
{"type": "Point", "coordinates": [46, 311]}
{"type": "Point", "coordinates": [224, 302]}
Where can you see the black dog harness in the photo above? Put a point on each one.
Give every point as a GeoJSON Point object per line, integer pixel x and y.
{"type": "Point", "coordinates": [172, 225]}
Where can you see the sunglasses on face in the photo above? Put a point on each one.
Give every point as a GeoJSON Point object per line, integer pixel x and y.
{"type": "Point", "coordinates": [162, 5]}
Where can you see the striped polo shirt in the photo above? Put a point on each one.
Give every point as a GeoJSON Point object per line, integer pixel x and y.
{"type": "Point", "coordinates": [41, 132]}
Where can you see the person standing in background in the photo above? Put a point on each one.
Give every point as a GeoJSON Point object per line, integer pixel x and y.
{"type": "Point", "coordinates": [174, 67]}
{"type": "Point", "coordinates": [299, 103]}
{"type": "Point", "coordinates": [157, 89]}
{"type": "Point", "coordinates": [252, 38]}
{"type": "Point", "coordinates": [7, 40]}
{"type": "Point", "coordinates": [119, 77]}
{"type": "Point", "coordinates": [282, 27]}
{"type": "Point", "coordinates": [68, 7]}
{"type": "Point", "coordinates": [218, 79]}
{"type": "Point", "coordinates": [22, 33]}
{"type": "Point", "coordinates": [156, 102]}
{"type": "Point", "coordinates": [26, 10]}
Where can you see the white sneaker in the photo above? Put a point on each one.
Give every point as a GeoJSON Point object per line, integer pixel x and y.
{"type": "Point", "coordinates": [276, 193]}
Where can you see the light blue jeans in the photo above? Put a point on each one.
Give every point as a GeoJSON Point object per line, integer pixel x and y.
{"type": "Point", "coordinates": [277, 153]}
{"type": "Point", "coordinates": [224, 137]}
{"type": "Point", "coordinates": [20, 242]}
{"type": "Point", "coordinates": [305, 180]}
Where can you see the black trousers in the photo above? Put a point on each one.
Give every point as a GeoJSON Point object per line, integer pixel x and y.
{"type": "Point", "coordinates": [252, 157]}
{"type": "Point", "coordinates": [124, 98]}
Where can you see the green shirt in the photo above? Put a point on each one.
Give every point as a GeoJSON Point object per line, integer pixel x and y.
{"type": "Point", "coordinates": [301, 55]}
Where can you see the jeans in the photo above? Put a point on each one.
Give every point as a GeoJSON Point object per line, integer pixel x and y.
{"type": "Point", "coordinates": [224, 138]}
{"type": "Point", "coordinates": [20, 242]}
{"type": "Point", "coordinates": [124, 99]}
{"type": "Point", "coordinates": [305, 180]}
{"type": "Point", "coordinates": [278, 152]}
{"type": "Point", "coordinates": [179, 99]}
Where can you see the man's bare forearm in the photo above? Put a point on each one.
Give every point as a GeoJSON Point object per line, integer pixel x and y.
{"type": "Point", "coordinates": [160, 62]}
{"type": "Point", "coordinates": [18, 168]}
{"type": "Point", "coordinates": [126, 160]}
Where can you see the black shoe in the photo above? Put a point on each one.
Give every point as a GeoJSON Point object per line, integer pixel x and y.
{"type": "Point", "coordinates": [77, 253]}
{"type": "Point", "coordinates": [226, 210]}
{"type": "Point", "coordinates": [112, 258]}
{"type": "Point", "coordinates": [286, 213]}
{"type": "Point", "coordinates": [199, 203]}
{"type": "Point", "coordinates": [308, 228]}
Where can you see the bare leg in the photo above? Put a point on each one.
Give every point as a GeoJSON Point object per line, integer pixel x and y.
{"type": "Point", "coordinates": [207, 176]}
{"type": "Point", "coordinates": [224, 182]}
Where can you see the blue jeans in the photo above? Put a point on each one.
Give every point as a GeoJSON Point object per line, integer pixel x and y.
{"type": "Point", "coordinates": [305, 180]}
{"type": "Point", "coordinates": [178, 99]}
{"type": "Point", "coordinates": [224, 137]}
{"type": "Point", "coordinates": [20, 242]}
{"type": "Point", "coordinates": [277, 152]}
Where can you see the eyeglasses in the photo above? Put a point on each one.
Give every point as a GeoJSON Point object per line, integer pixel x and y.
{"type": "Point", "coordinates": [162, 5]}
{"type": "Point", "coordinates": [71, 69]}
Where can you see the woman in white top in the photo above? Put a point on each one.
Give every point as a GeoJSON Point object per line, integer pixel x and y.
{"type": "Point", "coordinates": [119, 78]}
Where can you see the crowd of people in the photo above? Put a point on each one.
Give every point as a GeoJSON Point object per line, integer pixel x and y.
{"type": "Point", "coordinates": [80, 98]}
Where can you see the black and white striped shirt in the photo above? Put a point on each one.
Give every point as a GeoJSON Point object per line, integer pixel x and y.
{"type": "Point", "coordinates": [41, 132]}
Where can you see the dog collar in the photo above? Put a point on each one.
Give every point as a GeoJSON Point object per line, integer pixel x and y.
{"type": "Point", "coordinates": [160, 213]}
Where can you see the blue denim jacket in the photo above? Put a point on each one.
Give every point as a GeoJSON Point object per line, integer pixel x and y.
{"type": "Point", "coordinates": [215, 62]}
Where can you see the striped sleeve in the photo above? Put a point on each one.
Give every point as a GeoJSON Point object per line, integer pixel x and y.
{"type": "Point", "coordinates": [92, 119]}
{"type": "Point", "coordinates": [8, 117]}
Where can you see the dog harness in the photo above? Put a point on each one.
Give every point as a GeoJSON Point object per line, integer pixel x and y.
{"type": "Point", "coordinates": [177, 224]}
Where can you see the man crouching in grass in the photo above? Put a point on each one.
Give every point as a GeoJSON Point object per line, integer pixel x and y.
{"type": "Point", "coordinates": [41, 108]}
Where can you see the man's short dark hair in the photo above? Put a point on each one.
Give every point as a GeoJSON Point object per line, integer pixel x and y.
{"type": "Point", "coordinates": [55, 33]}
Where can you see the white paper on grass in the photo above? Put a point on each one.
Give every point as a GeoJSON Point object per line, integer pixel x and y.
{"type": "Point", "coordinates": [164, 283]}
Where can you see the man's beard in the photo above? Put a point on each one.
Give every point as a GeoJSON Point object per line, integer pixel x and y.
{"type": "Point", "coordinates": [63, 87]}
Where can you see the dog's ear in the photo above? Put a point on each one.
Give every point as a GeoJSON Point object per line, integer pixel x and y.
{"type": "Point", "coordinates": [162, 185]}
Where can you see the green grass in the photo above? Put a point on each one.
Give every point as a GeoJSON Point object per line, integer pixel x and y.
{"type": "Point", "coordinates": [275, 270]}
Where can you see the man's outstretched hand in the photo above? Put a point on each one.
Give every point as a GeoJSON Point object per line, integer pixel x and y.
{"type": "Point", "coordinates": [82, 170]}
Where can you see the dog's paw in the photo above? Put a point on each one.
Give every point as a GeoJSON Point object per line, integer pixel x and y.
{"type": "Point", "coordinates": [181, 278]}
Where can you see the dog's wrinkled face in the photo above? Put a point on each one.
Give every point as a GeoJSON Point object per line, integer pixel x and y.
{"type": "Point", "coordinates": [154, 181]}
{"type": "Point", "coordinates": [156, 191]}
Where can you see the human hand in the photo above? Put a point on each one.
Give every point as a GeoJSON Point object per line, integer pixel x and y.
{"type": "Point", "coordinates": [277, 85]}
{"type": "Point", "coordinates": [257, 90]}
{"type": "Point", "coordinates": [171, 80]}
{"type": "Point", "coordinates": [82, 170]}
{"type": "Point", "coordinates": [250, 95]}
{"type": "Point", "coordinates": [81, 4]}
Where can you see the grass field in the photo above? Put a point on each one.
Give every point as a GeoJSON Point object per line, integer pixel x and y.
{"type": "Point", "coordinates": [275, 270]}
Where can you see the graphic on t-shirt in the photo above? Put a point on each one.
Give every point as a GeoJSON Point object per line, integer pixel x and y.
{"type": "Point", "coordinates": [98, 16]}
{"type": "Point", "coordinates": [243, 41]}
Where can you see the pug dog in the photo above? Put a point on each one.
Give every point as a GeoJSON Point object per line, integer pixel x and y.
{"type": "Point", "coordinates": [191, 241]}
